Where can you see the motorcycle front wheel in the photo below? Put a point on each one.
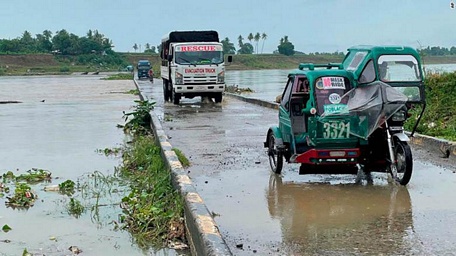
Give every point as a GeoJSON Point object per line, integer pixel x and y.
{"type": "Point", "coordinates": [401, 169]}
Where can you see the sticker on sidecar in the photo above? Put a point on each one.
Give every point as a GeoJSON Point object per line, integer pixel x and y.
{"type": "Point", "coordinates": [335, 109]}
{"type": "Point", "coordinates": [334, 98]}
{"type": "Point", "coordinates": [331, 82]}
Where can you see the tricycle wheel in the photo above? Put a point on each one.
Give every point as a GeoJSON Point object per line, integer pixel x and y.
{"type": "Point", "coordinates": [401, 170]}
{"type": "Point", "coordinates": [275, 156]}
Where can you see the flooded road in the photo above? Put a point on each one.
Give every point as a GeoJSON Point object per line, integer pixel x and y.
{"type": "Point", "coordinates": [260, 213]}
{"type": "Point", "coordinates": [59, 126]}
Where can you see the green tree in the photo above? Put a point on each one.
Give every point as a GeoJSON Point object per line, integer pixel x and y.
{"type": "Point", "coordinates": [43, 41]}
{"type": "Point", "coordinates": [285, 47]}
{"type": "Point", "coordinates": [61, 42]}
{"type": "Point", "coordinates": [263, 37]}
{"type": "Point", "coordinates": [246, 48]}
{"type": "Point", "coordinates": [135, 47]}
{"type": "Point", "coordinates": [150, 49]}
{"type": "Point", "coordinates": [10, 46]}
{"type": "Point", "coordinates": [250, 37]}
{"type": "Point", "coordinates": [257, 38]}
{"type": "Point", "coordinates": [27, 43]}
{"type": "Point", "coordinates": [240, 39]}
{"type": "Point", "coordinates": [228, 47]}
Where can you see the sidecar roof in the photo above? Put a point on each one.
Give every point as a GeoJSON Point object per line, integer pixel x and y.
{"type": "Point", "coordinates": [314, 71]}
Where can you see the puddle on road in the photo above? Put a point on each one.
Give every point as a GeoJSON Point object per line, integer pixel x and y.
{"type": "Point", "coordinates": [63, 134]}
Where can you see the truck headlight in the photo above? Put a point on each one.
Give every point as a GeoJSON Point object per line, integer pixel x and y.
{"type": "Point", "coordinates": [179, 78]}
{"type": "Point", "coordinates": [221, 77]}
{"type": "Point", "coordinates": [399, 116]}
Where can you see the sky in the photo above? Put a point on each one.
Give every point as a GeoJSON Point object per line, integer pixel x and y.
{"type": "Point", "coordinates": [311, 25]}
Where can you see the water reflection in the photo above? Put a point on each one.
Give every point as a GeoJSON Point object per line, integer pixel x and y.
{"type": "Point", "coordinates": [346, 218]}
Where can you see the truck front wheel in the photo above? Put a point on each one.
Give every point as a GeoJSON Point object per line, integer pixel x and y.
{"type": "Point", "coordinates": [166, 91]}
{"type": "Point", "coordinates": [218, 97]}
{"type": "Point", "coordinates": [176, 98]}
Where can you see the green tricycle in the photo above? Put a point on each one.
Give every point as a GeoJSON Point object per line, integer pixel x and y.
{"type": "Point", "coordinates": [340, 118]}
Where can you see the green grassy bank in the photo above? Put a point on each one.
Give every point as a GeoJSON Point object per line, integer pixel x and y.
{"type": "Point", "coordinates": [36, 64]}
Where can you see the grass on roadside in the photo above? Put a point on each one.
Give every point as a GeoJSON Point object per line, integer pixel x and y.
{"type": "Point", "coordinates": [119, 76]}
{"type": "Point", "coordinates": [153, 210]}
{"type": "Point", "coordinates": [438, 119]}
{"type": "Point", "coordinates": [182, 158]}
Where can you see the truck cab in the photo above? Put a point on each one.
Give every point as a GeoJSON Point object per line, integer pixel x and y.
{"type": "Point", "coordinates": [143, 67]}
{"type": "Point", "coordinates": [193, 64]}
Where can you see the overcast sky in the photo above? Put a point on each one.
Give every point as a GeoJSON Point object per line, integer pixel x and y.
{"type": "Point", "coordinates": [311, 25]}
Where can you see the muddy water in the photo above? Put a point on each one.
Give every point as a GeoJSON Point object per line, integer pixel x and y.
{"type": "Point", "coordinates": [59, 125]}
{"type": "Point", "coordinates": [267, 84]}
{"type": "Point", "coordinates": [260, 213]}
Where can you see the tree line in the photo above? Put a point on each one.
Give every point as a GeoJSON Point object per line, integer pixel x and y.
{"type": "Point", "coordinates": [62, 42]}
{"type": "Point", "coordinates": [438, 51]}
{"type": "Point", "coordinates": [285, 47]}
{"type": "Point", "coordinates": [65, 43]}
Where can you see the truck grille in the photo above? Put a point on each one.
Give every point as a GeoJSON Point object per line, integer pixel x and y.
{"type": "Point", "coordinates": [200, 80]}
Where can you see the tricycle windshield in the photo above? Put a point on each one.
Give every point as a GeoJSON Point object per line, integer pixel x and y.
{"type": "Point", "coordinates": [328, 94]}
{"type": "Point", "coordinates": [398, 68]}
{"type": "Point", "coordinates": [354, 60]}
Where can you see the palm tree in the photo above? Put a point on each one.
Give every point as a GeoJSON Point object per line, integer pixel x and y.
{"type": "Point", "coordinates": [264, 37]}
{"type": "Point", "coordinates": [135, 46]}
{"type": "Point", "coordinates": [250, 37]}
{"type": "Point", "coordinates": [256, 39]}
{"type": "Point", "coordinates": [240, 38]}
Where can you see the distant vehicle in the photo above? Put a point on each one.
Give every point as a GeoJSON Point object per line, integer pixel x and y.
{"type": "Point", "coordinates": [143, 68]}
{"type": "Point", "coordinates": [129, 68]}
{"type": "Point", "coordinates": [192, 65]}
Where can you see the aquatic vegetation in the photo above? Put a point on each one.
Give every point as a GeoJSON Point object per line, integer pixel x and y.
{"type": "Point", "coordinates": [23, 197]}
{"type": "Point", "coordinates": [67, 187]}
{"type": "Point", "coordinates": [138, 120]}
{"type": "Point", "coordinates": [75, 208]}
{"type": "Point", "coordinates": [34, 175]}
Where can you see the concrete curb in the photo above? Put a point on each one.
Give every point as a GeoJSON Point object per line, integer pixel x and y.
{"type": "Point", "coordinates": [262, 103]}
{"type": "Point", "coordinates": [202, 231]}
{"type": "Point", "coordinates": [445, 147]}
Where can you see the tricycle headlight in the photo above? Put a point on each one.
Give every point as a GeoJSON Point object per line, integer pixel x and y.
{"type": "Point", "coordinates": [399, 116]}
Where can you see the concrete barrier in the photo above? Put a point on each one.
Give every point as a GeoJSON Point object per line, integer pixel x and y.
{"type": "Point", "coordinates": [202, 231]}
{"type": "Point", "coordinates": [445, 147]}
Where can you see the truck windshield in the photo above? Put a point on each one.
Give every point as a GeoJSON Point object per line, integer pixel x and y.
{"type": "Point", "coordinates": [143, 66]}
{"type": "Point", "coordinates": [199, 57]}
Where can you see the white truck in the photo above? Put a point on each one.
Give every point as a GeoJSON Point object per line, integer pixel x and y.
{"type": "Point", "coordinates": [192, 64]}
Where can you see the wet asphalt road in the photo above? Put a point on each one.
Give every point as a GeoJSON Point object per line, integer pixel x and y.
{"type": "Point", "coordinates": [260, 213]}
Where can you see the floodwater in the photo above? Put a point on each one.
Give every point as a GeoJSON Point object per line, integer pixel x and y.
{"type": "Point", "coordinates": [59, 126]}
{"type": "Point", "coordinates": [260, 213]}
{"type": "Point", "coordinates": [267, 84]}
{"type": "Point", "coordinates": [63, 120]}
